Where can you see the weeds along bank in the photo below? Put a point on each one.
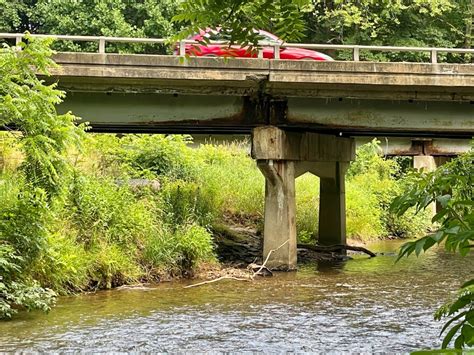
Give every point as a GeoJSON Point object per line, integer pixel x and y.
{"type": "Point", "coordinates": [81, 211]}
{"type": "Point", "coordinates": [144, 207]}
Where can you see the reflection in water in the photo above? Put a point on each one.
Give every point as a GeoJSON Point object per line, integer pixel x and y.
{"type": "Point", "coordinates": [363, 305]}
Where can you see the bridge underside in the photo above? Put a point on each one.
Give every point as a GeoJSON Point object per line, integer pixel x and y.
{"type": "Point", "coordinates": [143, 93]}
{"type": "Point", "coordinates": [184, 113]}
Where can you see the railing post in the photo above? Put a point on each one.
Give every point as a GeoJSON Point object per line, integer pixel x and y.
{"type": "Point", "coordinates": [18, 40]}
{"type": "Point", "coordinates": [102, 45]}
{"type": "Point", "coordinates": [182, 48]}
{"type": "Point", "coordinates": [260, 53]}
{"type": "Point", "coordinates": [276, 51]}
{"type": "Point", "coordinates": [355, 54]}
{"type": "Point", "coordinates": [434, 56]}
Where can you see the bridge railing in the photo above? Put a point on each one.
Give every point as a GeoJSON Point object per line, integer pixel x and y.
{"type": "Point", "coordinates": [181, 46]}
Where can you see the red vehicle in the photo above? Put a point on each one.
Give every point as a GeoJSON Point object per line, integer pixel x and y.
{"type": "Point", "coordinates": [223, 50]}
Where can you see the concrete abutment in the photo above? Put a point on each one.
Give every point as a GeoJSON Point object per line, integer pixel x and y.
{"type": "Point", "coordinates": [282, 156]}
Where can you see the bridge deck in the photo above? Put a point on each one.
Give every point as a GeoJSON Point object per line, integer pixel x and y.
{"type": "Point", "coordinates": [172, 94]}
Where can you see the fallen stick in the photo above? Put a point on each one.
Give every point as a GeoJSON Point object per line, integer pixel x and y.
{"type": "Point", "coordinates": [218, 279]}
{"type": "Point", "coordinates": [266, 259]}
{"type": "Point", "coordinates": [338, 247]}
{"type": "Point", "coordinates": [251, 277]}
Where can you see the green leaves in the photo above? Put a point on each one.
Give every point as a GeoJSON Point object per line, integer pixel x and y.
{"type": "Point", "coordinates": [239, 19]}
{"type": "Point", "coordinates": [28, 105]}
{"type": "Point", "coordinates": [462, 325]}
{"type": "Point", "coordinates": [452, 186]}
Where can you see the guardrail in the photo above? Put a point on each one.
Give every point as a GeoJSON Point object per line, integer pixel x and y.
{"type": "Point", "coordinates": [355, 49]}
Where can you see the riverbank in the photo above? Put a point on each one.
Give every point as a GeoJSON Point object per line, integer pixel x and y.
{"type": "Point", "coordinates": [149, 208]}
{"type": "Point", "coordinates": [360, 306]}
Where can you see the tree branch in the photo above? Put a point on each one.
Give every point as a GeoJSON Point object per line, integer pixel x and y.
{"type": "Point", "coordinates": [338, 247]}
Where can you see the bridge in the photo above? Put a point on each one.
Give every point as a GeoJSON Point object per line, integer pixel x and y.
{"type": "Point", "coordinates": [304, 116]}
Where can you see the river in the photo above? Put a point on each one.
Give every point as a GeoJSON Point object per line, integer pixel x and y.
{"type": "Point", "coordinates": [362, 305]}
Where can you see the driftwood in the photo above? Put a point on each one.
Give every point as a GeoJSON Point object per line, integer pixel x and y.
{"type": "Point", "coordinates": [333, 248]}
{"type": "Point", "coordinates": [250, 278]}
{"type": "Point", "coordinates": [218, 279]}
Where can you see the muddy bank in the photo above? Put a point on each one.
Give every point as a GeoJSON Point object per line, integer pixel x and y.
{"type": "Point", "coordinates": [239, 245]}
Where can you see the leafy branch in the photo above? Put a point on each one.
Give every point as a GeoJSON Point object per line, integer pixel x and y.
{"type": "Point", "coordinates": [452, 187]}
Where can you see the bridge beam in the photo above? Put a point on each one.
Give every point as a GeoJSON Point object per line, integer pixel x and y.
{"type": "Point", "coordinates": [282, 156]}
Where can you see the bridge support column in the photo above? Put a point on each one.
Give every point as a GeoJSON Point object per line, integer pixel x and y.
{"type": "Point", "coordinates": [282, 156]}
{"type": "Point", "coordinates": [280, 217]}
{"type": "Point", "coordinates": [428, 163]}
{"type": "Point", "coordinates": [332, 207]}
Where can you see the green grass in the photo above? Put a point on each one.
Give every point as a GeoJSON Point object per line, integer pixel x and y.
{"type": "Point", "coordinates": [101, 232]}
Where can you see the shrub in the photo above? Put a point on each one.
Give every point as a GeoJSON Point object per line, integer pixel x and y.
{"type": "Point", "coordinates": [184, 202]}
{"type": "Point", "coordinates": [228, 173]}
{"type": "Point", "coordinates": [180, 249]}
{"type": "Point", "coordinates": [307, 207]}
{"type": "Point", "coordinates": [158, 155]}
{"type": "Point", "coordinates": [17, 290]}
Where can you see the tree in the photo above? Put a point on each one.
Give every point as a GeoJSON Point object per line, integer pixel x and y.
{"type": "Point", "coordinates": [239, 18]}
{"type": "Point", "coordinates": [27, 105]}
{"type": "Point", "coordinates": [144, 18]}
{"type": "Point", "coordinates": [440, 23]}
{"type": "Point", "coordinates": [452, 186]}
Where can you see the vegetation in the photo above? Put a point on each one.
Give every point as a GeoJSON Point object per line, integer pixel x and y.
{"type": "Point", "coordinates": [85, 212]}
{"type": "Point", "coordinates": [451, 186]}
{"type": "Point", "coordinates": [72, 217]}
{"type": "Point", "coordinates": [440, 23]}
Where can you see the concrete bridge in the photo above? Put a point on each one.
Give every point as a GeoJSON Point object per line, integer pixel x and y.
{"type": "Point", "coordinates": [303, 116]}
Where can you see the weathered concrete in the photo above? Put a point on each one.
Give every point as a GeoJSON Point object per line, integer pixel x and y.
{"type": "Point", "coordinates": [272, 143]}
{"type": "Point", "coordinates": [282, 156]}
{"type": "Point", "coordinates": [152, 93]}
{"type": "Point", "coordinates": [332, 206]}
{"type": "Point", "coordinates": [280, 214]}
{"type": "Point", "coordinates": [283, 77]}
{"type": "Point", "coordinates": [427, 163]}
{"type": "Point", "coordinates": [441, 148]}
{"type": "Point", "coordinates": [404, 146]}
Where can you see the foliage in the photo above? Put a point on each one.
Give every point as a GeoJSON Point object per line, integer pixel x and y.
{"type": "Point", "coordinates": [158, 155]}
{"type": "Point", "coordinates": [307, 207]}
{"type": "Point", "coordinates": [451, 185]}
{"type": "Point", "coordinates": [28, 105]}
{"type": "Point", "coordinates": [120, 18]}
{"type": "Point", "coordinates": [372, 183]}
{"type": "Point", "coordinates": [229, 174]}
{"type": "Point", "coordinates": [239, 19]}
{"type": "Point", "coordinates": [420, 23]}
{"type": "Point", "coordinates": [179, 250]}
{"type": "Point", "coordinates": [44, 136]}
{"type": "Point", "coordinates": [22, 232]}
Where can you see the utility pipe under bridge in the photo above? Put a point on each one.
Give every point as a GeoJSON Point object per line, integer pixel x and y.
{"type": "Point", "coordinates": [303, 115]}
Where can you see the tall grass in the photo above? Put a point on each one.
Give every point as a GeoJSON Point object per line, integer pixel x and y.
{"type": "Point", "coordinates": [103, 231]}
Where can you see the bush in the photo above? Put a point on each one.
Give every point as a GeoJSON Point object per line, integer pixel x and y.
{"type": "Point", "coordinates": [184, 202]}
{"type": "Point", "coordinates": [307, 207]}
{"type": "Point", "coordinates": [158, 155]}
{"type": "Point", "coordinates": [180, 250]}
{"type": "Point", "coordinates": [229, 174]}
{"type": "Point", "coordinates": [17, 290]}
{"type": "Point", "coordinates": [372, 183]}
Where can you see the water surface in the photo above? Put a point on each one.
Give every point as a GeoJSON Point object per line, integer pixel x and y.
{"type": "Point", "coordinates": [363, 305]}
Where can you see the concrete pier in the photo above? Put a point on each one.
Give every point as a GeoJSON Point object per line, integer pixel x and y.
{"type": "Point", "coordinates": [430, 163]}
{"type": "Point", "coordinates": [283, 156]}
{"type": "Point", "coordinates": [280, 213]}
{"type": "Point", "coordinates": [332, 206]}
